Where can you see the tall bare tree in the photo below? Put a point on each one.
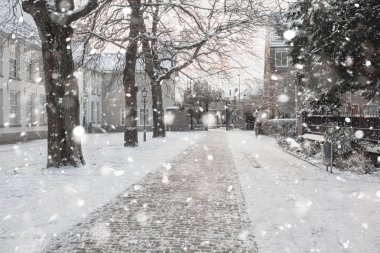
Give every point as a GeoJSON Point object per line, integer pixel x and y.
{"type": "Point", "coordinates": [54, 19]}
{"type": "Point", "coordinates": [129, 80]}
{"type": "Point", "coordinates": [174, 35]}
{"type": "Point", "coordinates": [178, 34]}
{"type": "Point", "coordinates": [116, 24]}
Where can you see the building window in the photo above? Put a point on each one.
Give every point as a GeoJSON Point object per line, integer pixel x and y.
{"type": "Point", "coordinates": [29, 106]}
{"type": "Point", "coordinates": [141, 118]}
{"type": "Point", "coordinates": [30, 65]}
{"type": "Point", "coordinates": [1, 107]}
{"type": "Point", "coordinates": [355, 110]}
{"type": "Point", "coordinates": [98, 112]}
{"type": "Point", "coordinates": [281, 59]}
{"type": "Point", "coordinates": [39, 74]}
{"type": "Point", "coordinates": [1, 56]}
{"type": "Point", "coordinates": [14, 110]}
{"type": "Point", "coordinates": [84, 110]}
{"type": "Point", "coordinates": [42, 109]}
{"type": "Point", "coordinates": [122, 116]}
{"type": "Point", "coordinates": [93, 115]}
{"type": "Point", "coordinates": [99, 88]}
{"type": "Point", "coordinates": [373, 110]}
{"type": "Point", "coordinates": [84, 81]}
{"type": "Point", "coordinates": [14, 60]}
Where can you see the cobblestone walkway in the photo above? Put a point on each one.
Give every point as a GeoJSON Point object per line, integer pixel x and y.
{"type": "Point", "coordinates": [193, 204]}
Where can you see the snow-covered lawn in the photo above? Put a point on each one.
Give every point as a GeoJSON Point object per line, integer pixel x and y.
{"type": "Point", "coordinates": [37, 204]}
{"type": "Point", "coordinates": [296, 207]}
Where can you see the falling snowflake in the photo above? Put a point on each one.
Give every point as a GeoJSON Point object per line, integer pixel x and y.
{"type": "Point", "coordinates": [274, 78]}
{"type": "Point", "coordinates": [283, 98]}
{"type": "Point", "coordinates": [119, 173]}
{"type": "Point", "coordinates": [80, 202]}
{"type": "Point", "coordinates": [165, 178]}
{"type": "Point", "coordinates": [345, 244]}
{"type": "Point", "coordinates": [243, 235]}
{"type": "Point", "coordinates": [289, 35]}
{"type": "Point", "coordinates": [359, 134]}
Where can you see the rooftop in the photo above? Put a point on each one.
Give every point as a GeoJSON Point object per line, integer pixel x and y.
{"type": "Point", "coordinates": [275, 40]}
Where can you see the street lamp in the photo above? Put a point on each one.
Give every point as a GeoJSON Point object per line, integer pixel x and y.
{"type": "Point", "coordinates": [227, 104]}
{"type": "Point", "coordinates": [239, 105]}
{"type": "Point", "coordinates": [144, 94]}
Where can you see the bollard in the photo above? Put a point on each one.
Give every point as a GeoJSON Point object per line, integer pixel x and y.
{"type": "Point", "coordinates": [327, 153]}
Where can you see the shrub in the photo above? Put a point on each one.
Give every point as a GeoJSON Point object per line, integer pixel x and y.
{"type": "Point", "coordinates": [279, 127]}
{"type": "Point", "coordinates": [309, 147]}
{"type": "Point", "coordinates": [349, 154]}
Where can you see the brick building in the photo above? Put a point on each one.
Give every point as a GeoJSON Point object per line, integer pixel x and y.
{"type": "Point", "coordinates": [279, 85]}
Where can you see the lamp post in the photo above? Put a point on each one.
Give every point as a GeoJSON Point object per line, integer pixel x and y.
{"type": "Point", "coordinates": [226, 115]}
{"type": "Point", "coordinates": [239, 89]}
{"type": "Point", "coordinates": [144, 94]}
{"type": "Point", "coordinates": [238, 104]}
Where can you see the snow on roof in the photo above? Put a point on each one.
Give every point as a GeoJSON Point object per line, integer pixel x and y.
{"type": "Point", "coordinates": [110, 62]}
{"type": "Point", "coordinates": [275, 40]}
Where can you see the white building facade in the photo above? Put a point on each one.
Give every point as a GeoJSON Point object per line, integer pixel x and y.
{"type": "Point", "coordinates": [22, 93]}
{"type": "Point", "coordinates": [90, 97]}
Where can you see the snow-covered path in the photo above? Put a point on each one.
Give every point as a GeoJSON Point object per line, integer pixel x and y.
{"type": "Point", "coordinates": [36, 204]}
{"type": "Point", "coordinates": [296, 207]}
{"type": "Point", "coordinates": [193, 205]}
{"type": "Point", "coordinates": [293, 206]}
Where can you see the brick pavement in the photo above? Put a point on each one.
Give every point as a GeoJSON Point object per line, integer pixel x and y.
{"type": "Point", "coordinates": [194, 204]}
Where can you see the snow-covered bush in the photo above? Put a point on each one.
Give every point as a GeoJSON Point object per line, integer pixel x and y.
{"type": "Point", "coordinates": [342, 138]}
{"type": "Point", "coordinates": [356, 161]}
{"type": "Point", "coordinates": [309, 147]}
{"type": "Point", "coordinates": [289, 144]}
{"type": "Point", "coordinates": [279, 127]}
{"type": "Point", "coordinates": [349, 153]}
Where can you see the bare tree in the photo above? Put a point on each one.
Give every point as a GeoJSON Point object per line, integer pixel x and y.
{"type": "Point", "coordinates": [54, 21]}
{"type": "Point", "coordinates": [176, 35]}
{"type": "Point", "coordinates": [173, 36]}
{"type": "Point", "coordinates": [129, 80]}
{"type": "Point", "coordinates": [117, 24]}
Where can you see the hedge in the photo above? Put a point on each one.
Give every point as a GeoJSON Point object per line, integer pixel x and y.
{"type": "Point", "coordinates": [279, 127]}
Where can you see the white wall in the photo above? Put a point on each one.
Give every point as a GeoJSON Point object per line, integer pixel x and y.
{"type": "Point", "coordinates": [24, 88]}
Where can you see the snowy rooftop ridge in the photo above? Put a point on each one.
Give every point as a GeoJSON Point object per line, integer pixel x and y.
{"type": "Point", "coordinates": [111, 62]}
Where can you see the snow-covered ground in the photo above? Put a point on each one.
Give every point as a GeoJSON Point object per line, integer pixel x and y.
{"type": "Point", "coordinates": [296, 207]}
{"type": "Point", "coordinates": [36, 204]}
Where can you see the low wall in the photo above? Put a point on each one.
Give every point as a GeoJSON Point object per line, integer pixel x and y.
{"type": "Point", "coordinates": [6, 138]}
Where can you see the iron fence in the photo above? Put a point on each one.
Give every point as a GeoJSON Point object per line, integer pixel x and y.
{"type": "Point", "coordinates": [370, 125]}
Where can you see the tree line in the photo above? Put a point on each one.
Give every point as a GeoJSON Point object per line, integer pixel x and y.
{"type": "Point", "coordinates": [335, 48]}
{"type": "Point", "coordinates": [169, 36]}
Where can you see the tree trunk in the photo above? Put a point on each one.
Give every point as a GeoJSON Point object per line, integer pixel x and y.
{"type": "Point", "coordinates": [207, 116]}
{"type": "Point", "coordinates": [61, 87]}
{"type": "Point", "coordinates": [129, 79]}
{"type": "Point", "coordinates": [158, 111]}
{"type": "Point", "coordinates": [63, 108]}
{"type": "Point", "coordinates": [130, 132]}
